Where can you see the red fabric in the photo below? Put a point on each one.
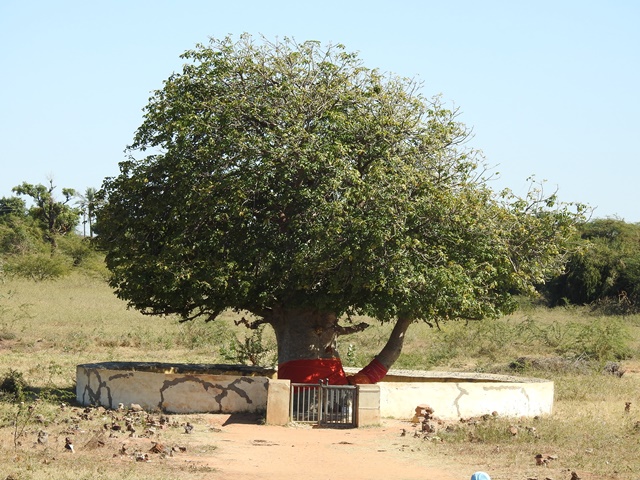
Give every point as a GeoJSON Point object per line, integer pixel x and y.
{"type": "Point", "coordinates": [312, 371]}
{"type": "Point", "coordinates": [375, 371]}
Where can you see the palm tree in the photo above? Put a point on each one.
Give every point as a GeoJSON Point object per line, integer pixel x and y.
{"type": "Point", "coordinates": [87, 203]}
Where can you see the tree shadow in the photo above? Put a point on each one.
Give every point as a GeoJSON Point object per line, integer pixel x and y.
{"type": "Point", "coordinates": [244, 418]}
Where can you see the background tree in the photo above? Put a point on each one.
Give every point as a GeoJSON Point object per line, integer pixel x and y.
{"type": "Point", "coordinates": [19, 233]}
{"type": "Point", "coordinates": [87, 204]}
{"type": "Point", "coordinates": [12, 206]}
{"type": "Point", "coordinates": [56, 217]}
{"type": "Point", "coordinates": [289, 181]}
{"type": "Point", "coordinates": [606, 270]}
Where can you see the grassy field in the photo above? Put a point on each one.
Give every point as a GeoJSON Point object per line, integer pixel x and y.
{"type": "Point", "coordinates": [47, 328]}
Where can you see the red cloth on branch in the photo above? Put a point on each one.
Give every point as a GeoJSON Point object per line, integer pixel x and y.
{"type": "Point", "coordinates": [312, 371]}
{"type": "Point", "coordinates": [375, 371]}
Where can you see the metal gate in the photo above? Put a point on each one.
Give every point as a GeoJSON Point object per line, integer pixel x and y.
{"type": "Point", "coordinates": [324, 404]}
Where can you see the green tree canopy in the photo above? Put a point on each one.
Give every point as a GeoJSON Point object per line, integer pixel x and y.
{"type": "Point", "coordinates": [607, 268]}
{"type": "Point", "coordinates": [12, 206]}
{"type": "Point", "coordinates": [56, 216]}
{"type": "Point", "coordinates": [19, 233]}
{"type": "Point", "coordinates": [290, 181]}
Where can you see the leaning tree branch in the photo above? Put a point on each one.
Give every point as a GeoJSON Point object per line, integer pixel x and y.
{"type": "Point", "coordinates": [341, 330]}
{"type": "Point", "coordinates": [252, 325]}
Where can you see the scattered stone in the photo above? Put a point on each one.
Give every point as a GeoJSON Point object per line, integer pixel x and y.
{"type": "Point", "coordinates": [422, 411]}
{"type": "Point", "coordinates": [188, 428]}
{"type": "Point", "coordinates": [627, 407]}
{"type": "Point", "coordinates": [136, 408]}
{"type": "Point", "coordinates": [68, 444]}
{"type": "Point", "coordinates": [43, 437]}
{"type": "Point", "coordinates": [574, 476]}
{"type": "Point", "coordinates": [513, 430]}
{"type": "Point", "coordinates": [428, 426]}
{"type": "Point", "coordinates": [160, 448]}
{"type": "Point", "coordinates": [613, 368]}
{"type": "Point", "coordinates": [532, 431]}
{"type": "Point", "coordinates": [96, 442]}
{"type": "Point", "coordinates": [544, 459]}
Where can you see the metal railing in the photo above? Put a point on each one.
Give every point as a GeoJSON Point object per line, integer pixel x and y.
{"type": "Point", "coordinates": [324, 404]}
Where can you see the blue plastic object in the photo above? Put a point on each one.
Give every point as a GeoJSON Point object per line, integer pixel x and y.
{"type": "Point", "coordinates": [480, 476]}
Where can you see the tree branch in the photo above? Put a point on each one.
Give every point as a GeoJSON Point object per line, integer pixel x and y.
{"type": "Point", "coordinates": [358, 327]}
{"type": "Point", "coordinates": [251, 325]}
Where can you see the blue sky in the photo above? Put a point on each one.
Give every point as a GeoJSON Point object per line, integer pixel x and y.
{"type": "Point", "coordinates": [550, 88]}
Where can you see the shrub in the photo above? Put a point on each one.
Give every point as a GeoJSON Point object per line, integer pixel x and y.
{"type": "Point", "coordinates": [603, 339]}
{"type": "Point", "coordinates": [75, 247]}
{"type": "Point", "coordinates": [19, 236]}
{"type": "Point", "coordinates": [13, 384]}
{"type": "Point", "coordinates": [38, 267]}
{"type": "Point", "coordinates": [252, 350]}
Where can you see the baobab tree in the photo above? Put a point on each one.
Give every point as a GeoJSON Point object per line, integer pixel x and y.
{"type": "Point", "coordinates": [287, 180]}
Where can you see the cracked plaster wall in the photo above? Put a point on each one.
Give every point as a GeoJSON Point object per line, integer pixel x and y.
{"type": "Point", "coordinates": [451, 400]}
{"type": "Point", "coordinates": [171, 392]}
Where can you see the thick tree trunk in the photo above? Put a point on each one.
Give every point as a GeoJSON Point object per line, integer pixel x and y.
{"type": "Point", "coordinates": [304, 334]}
{"type": "Point", "coordinates": [307, 347]}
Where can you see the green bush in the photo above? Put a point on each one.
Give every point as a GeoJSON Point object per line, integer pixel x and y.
{"type": "Point", "coordinates": [252, 350]}
{"type": "Point", "coordinates": [13, 384]}
{"type": "Point", "coordinates": [75, 247]}
{"type": "Point", "coordinates": [19, 236]}
{"type": "Point", "coordinates": [38, 266]}
{"type": "Point", "coordinates": [601, 339]}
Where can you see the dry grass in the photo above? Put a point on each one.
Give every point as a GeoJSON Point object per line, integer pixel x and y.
{"type": "Point", "coordinates": [47, 328]}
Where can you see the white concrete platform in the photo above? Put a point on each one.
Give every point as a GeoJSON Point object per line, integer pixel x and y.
{"type": "Point", "coordinates": [182, 388]}
{"type": "Point", "coordinates": [464, 395]}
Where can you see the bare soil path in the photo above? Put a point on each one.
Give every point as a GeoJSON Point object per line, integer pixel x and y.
{"type": "Point", "coordinates": [246, 451]}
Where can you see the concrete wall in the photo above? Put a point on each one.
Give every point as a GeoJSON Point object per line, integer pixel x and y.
{"type": "Point", "coordinates": [278, 401]}
{"type": "Point", "coordinates": [195, 389]}
{"type": "Point", "coordinates": [170, 392]}
{"type": "Point", "coordinates": [452, 400]}
{"type": "Point", "coordinates": [368, 413]}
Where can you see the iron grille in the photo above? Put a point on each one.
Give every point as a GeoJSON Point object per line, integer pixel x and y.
{"type": "Point", "coordinates": [324, 404]}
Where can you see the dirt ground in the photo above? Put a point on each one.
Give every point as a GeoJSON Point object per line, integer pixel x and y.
{"type": "Point", "coordinates": [238, 446]}
{"type": "Point", "coordinates": [246, 451]}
